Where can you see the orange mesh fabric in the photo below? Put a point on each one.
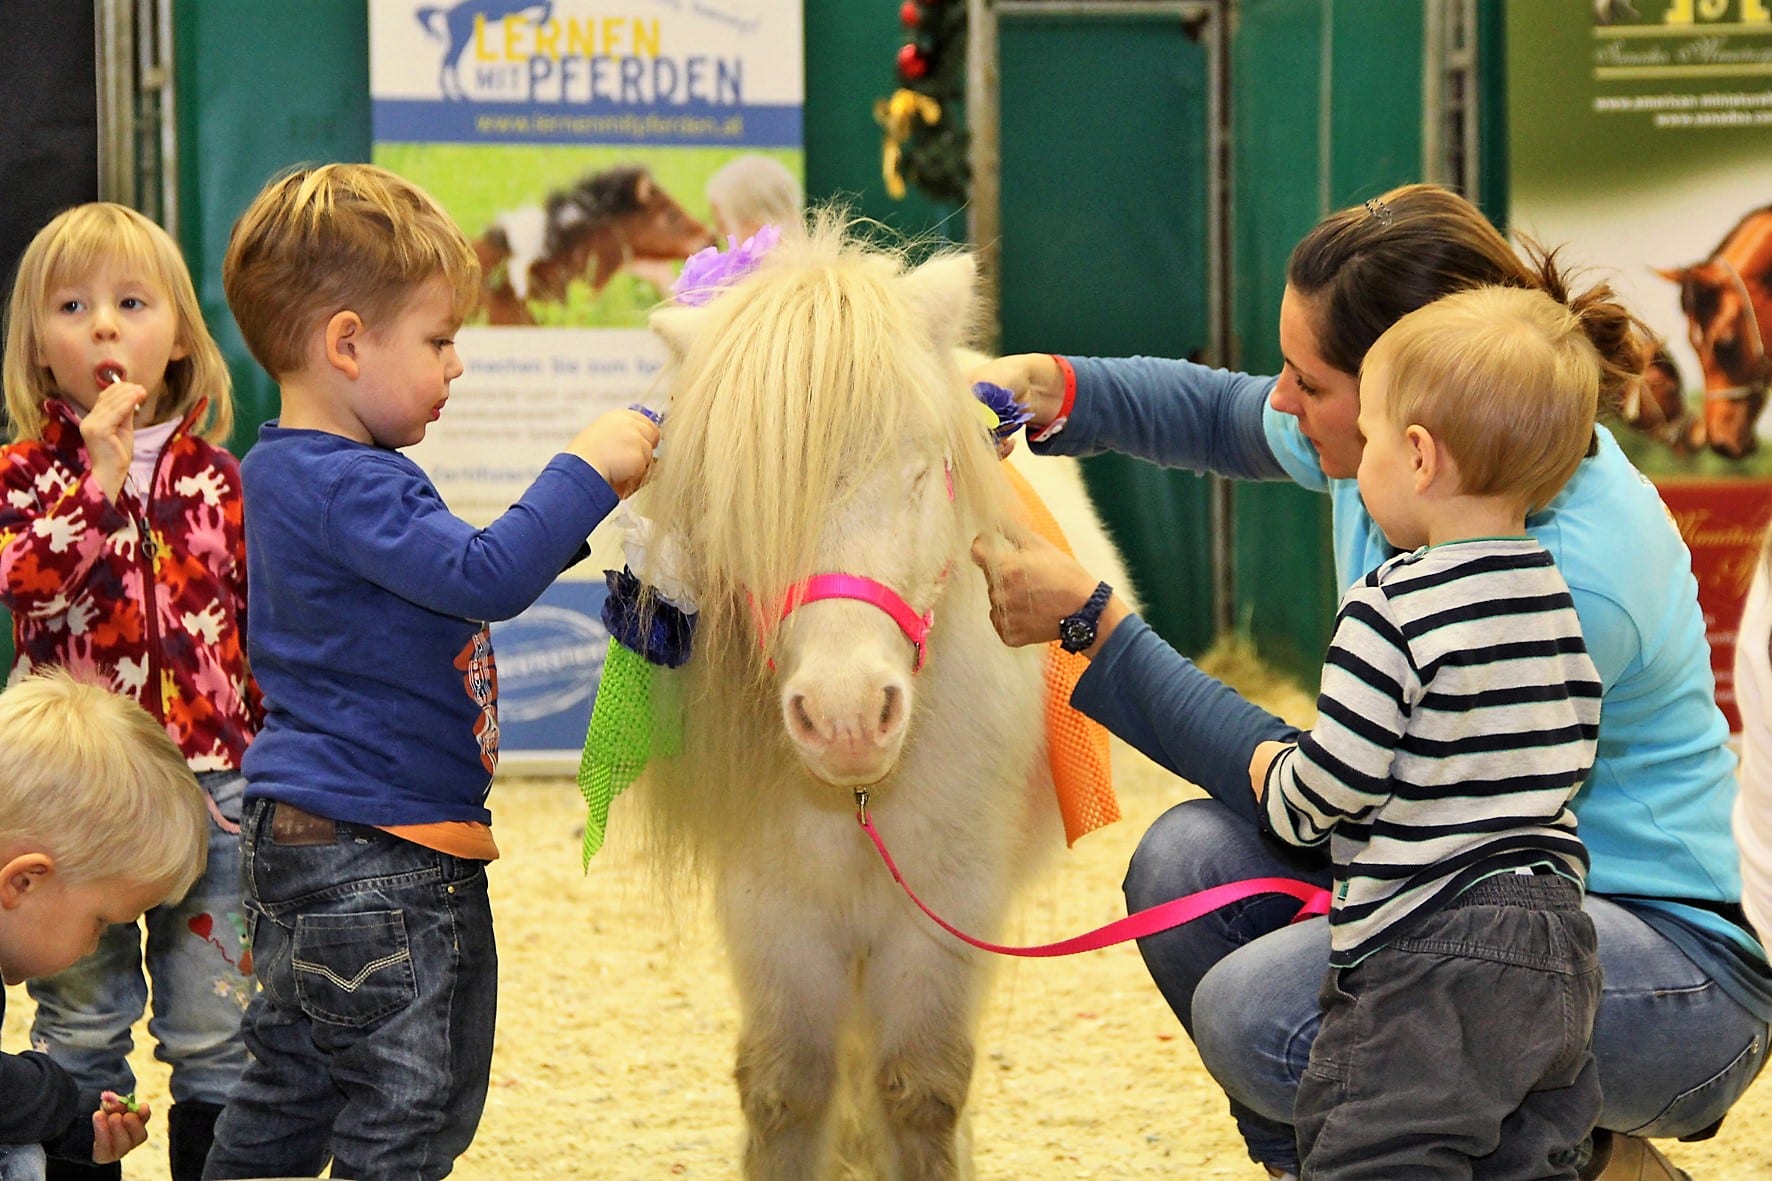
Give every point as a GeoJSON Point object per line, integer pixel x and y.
{"type": "Point", "coordinates": [1077, 746]}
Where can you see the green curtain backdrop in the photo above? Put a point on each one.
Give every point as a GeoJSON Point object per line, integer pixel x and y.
{"type": "Point", "coordinates": [1103, 132]}
{"type": "Point", "coordinates": [1103, 151]}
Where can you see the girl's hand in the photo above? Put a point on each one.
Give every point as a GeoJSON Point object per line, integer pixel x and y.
{"type": "Point", "coordinates": [619, 445]}
{"type": "Point", "coordinates": [1036, 382]}
{"type": "Point", "coordinates": [109, 432]}
{"type": "Point", "coordinates": [116, 1128]}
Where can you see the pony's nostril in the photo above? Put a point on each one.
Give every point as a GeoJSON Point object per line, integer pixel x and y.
{"type": "Point", "coordinates": [891, 709]}
{"type": "Point", "coordinates": [802, 720]}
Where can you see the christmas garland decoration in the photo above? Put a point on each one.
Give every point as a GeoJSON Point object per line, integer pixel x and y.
{"type": "Point", "coordinates": [925, 134]}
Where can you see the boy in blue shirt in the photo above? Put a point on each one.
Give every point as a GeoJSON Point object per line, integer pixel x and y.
{"type": "Point", "coordinates": [366, 833]}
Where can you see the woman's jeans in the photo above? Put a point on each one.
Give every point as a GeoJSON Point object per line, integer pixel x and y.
{"type": "Point", "coordinates": [195, 955]}
{"type": "Point", "coordinates": [1674, 1050]}
{"type": "Point", "coordinates": [371, 1037]}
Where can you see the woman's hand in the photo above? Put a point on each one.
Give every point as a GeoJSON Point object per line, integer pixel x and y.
{"type": "Point", "coordinates": [1034, 584]}
{"type": "Point", "coordinates": [1036, 382]}
{"type": "Point", "coordinates": [118, 1125]}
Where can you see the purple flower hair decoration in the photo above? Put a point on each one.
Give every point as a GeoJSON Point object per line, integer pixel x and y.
{"type": "Point", "coordinates": [1001, 402]}
{"type": "Point", "coordinates": [708, 272]}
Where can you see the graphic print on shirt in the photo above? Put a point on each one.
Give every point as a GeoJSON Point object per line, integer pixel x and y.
{"type": "Point", "coordinates": [480, 679]}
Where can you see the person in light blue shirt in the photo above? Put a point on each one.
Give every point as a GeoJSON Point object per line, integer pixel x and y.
{"type": "Point", "coordinates": [1682, 1026]}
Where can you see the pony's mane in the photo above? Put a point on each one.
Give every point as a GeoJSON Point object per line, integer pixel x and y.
{"type": "Point", "coordinates": [802, 378]}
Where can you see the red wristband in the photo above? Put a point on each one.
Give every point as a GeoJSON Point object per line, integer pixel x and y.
{"type": "Point", "coordinates": [1070, 399]}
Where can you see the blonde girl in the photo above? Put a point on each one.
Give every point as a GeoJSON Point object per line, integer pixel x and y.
{"type": "Point", "coordinates": [122, 558]}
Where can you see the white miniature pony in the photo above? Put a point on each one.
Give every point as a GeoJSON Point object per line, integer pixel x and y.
{"type": "Point", "coordinates": [820, 425]}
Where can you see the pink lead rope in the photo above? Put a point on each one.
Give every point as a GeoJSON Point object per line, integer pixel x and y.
{"type": "Point", "coordinates": [1314, 900]}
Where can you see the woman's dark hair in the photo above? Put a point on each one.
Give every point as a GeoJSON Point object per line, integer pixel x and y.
{"type": "Point", "coordinates": [1367, 266]}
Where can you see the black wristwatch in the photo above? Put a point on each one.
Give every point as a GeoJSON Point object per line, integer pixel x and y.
{"type": "Point", "coordinates": [1076, 631]}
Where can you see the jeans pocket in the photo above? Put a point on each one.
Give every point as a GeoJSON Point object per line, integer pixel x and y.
{"type": "Point", "coordinates": [353, 969]}
{"type": "Point", "coordinates": [1695, 1109]}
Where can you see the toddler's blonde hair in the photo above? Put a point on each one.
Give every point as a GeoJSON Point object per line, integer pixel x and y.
{"type": "Point", "coordinates": [91, 778]}
{"type": "Point", "coordinates": [1507, 379]}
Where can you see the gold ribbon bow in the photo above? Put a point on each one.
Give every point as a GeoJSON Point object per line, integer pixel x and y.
{"type": "Point", "coordinates": [897, 115]}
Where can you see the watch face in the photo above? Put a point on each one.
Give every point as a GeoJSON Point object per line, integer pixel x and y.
{"type": "Point", "coordinates": [1075, 633]}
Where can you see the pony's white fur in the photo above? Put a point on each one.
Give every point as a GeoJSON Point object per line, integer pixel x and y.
{"type": "Point", "coordinates": [818, 414]}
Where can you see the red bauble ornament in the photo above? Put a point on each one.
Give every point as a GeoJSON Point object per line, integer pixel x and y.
{"type": "Point", "coordinates": [910, 15]}
{"type": "Point", "coordinates": [911, 63]}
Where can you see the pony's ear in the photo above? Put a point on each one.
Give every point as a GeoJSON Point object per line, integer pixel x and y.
{"type": "Point", "coordinates": [678, 327]}
{"type": "Point", "coordinates": [942, 292]}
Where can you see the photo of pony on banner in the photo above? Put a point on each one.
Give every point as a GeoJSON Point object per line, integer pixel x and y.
{"type": "Point", "coordinates": [1639, 141]}
{"type": "Point", "coordinates": [586, 148]}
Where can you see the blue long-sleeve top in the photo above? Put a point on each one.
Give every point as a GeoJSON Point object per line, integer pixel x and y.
{"type": "Point", "coordinates": [1654, 813]}
{"type": "Point", "coordinates": [40, 1104]}
{"type": "Point", "coordinates": [370, 609]}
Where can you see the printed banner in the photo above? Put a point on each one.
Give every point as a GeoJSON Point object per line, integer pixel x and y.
{"type": "Point", "coordinates": [1640, 139]}
{"type": "Point", "coordinates": [586, 148]}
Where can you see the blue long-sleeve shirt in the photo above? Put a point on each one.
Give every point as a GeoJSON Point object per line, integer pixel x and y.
{"type": "Point", "coordinates": [1654, 813]}
{"type": "Point", "coordinates": [40, 1104]}
{"type": "Point", "coordinates": [370, 609]}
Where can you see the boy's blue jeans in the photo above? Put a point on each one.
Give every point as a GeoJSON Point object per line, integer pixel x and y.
{"type": "Point", "coordinates": [1674, 1050]}
{"type": "Point", "coordinates": [371, 1036]}
{"type": "Point", "coordinates": [193, 955]}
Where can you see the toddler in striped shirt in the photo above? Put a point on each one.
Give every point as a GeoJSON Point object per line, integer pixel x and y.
{"type": "Point", "coordinates": [1457, 718]}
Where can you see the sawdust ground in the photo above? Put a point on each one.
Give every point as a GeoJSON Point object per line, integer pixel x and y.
{"type": "Point", "coordinates": [616, 1027]}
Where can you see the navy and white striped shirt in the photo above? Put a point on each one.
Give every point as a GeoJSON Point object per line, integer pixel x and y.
{"type": "Point", "coordinates": [1458, 715]}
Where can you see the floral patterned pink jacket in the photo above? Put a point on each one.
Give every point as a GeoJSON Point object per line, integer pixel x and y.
{"type": "Point", "coordinates": [76, 569]}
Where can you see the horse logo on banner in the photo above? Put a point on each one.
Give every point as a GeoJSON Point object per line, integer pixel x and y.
{"type": "Point", "coordinates": [455, 26]}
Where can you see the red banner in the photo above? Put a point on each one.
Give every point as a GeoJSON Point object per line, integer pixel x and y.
{"type": "Point", "coordinates": [1723, 522]}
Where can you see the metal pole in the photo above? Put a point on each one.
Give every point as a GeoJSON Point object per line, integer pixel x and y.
{"type": "Point", "coordinates": [113, 54]}
{"type": "Point", "coordinates": [984, 212]}
{"type": "Point", "coordinates": [159, 96]}
{"type": "Point", "coordinates": [1433, 91]}
{"type": "Point", "coordinates": [1220, 242]}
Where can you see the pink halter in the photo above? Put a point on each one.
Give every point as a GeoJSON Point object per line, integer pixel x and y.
{"type": "Point", "coordinates": [864, 590]}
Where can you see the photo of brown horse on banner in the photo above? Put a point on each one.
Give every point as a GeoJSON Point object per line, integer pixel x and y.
{"type": "Point", "coordinates": [617, 218]}
{"type": "Point", "coordinates": [1727, 299]}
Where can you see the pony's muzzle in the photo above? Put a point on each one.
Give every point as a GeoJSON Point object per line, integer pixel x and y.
{"type": "Point", "coordinates": [850, 734]}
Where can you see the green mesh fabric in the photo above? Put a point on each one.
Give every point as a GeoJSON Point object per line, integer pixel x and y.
{"type": "Point", "coordinates": [619, 741]}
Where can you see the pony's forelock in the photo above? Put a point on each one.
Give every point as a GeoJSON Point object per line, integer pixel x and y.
{"type": "Point", "coordinates": [807, 373]}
